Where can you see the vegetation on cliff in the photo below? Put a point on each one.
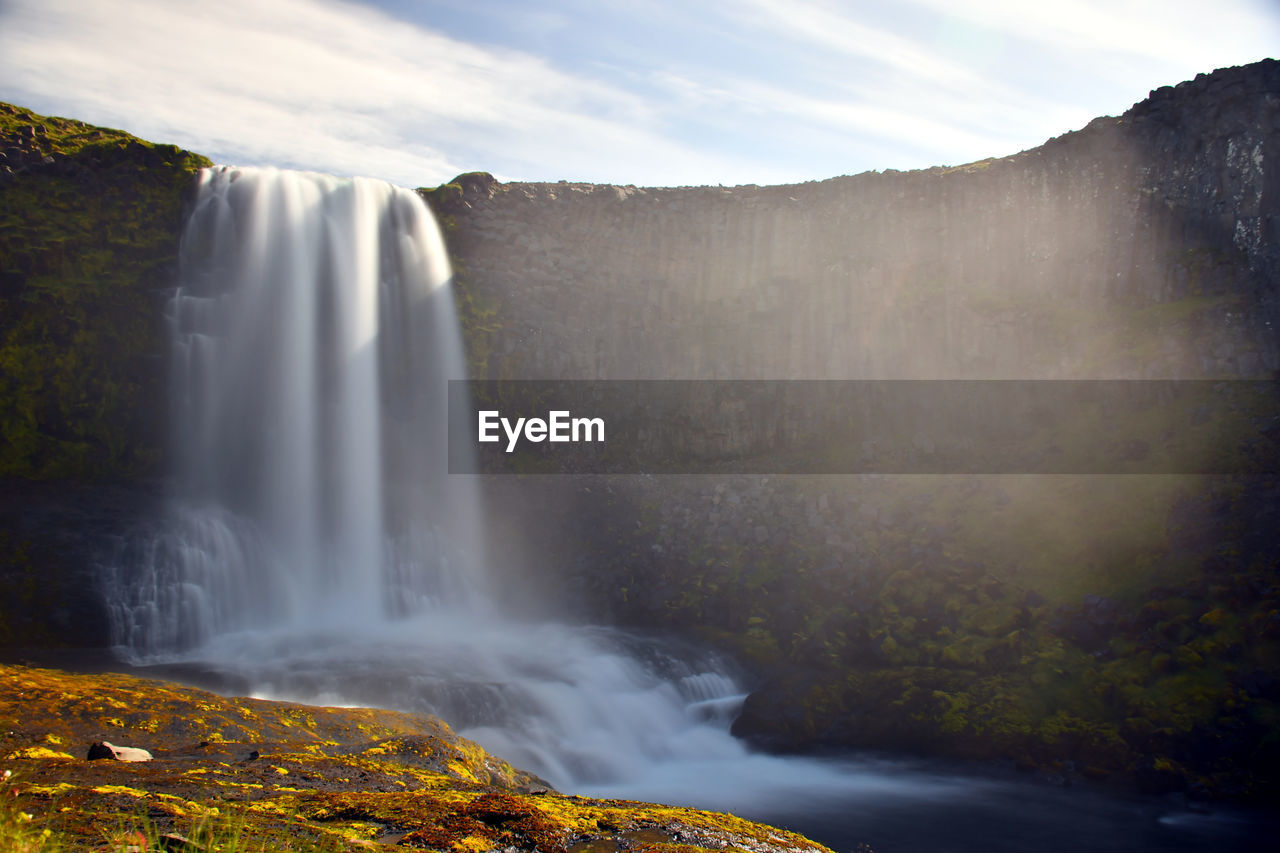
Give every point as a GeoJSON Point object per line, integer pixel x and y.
{"type": "Point", "coordinates": [927, 620]}
{"type": "Point", "coordinates": [282, 776]}
{"type": "Point", "coordinates": [478, 310]}
{"type": "Point", "coordinates": [89, 225]}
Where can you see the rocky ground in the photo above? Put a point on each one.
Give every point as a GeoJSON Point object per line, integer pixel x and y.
{"type": "Point", "coordinates": [284, 776]}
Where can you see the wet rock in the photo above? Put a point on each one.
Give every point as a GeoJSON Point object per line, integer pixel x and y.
{"type": "Point", "coordinates": [61, 533]}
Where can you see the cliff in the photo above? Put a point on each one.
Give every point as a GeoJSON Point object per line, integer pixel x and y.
{"type": "Point", "coordinates": [1067, 260]}
{"type": "Point", "coordinates": [1095, 625]}
{"type": "Point", "coordinates": [89, 225]}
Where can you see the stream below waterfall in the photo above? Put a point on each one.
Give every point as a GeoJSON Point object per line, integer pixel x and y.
{"type": "Point", "coordinates": [604, 713]}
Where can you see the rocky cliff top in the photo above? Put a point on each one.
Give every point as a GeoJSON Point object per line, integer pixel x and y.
{"type": "Point", "coordinates": [1224, 102]}
{"type": "Point", "coordinates": [1143, 246]}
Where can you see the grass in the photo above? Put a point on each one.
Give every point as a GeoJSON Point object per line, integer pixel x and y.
{"type": "Point", "coordinates": [227, 835]}
{"type": "Point", "coordinates": [20, 830]}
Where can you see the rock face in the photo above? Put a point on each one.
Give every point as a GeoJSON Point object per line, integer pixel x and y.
{"type": "Point", "coordinates": [89, 224]}
{"type": "Point", "coordinates": [975, 616]}
{"type": "Point", "coordinates": [54, 539]}
{"type": "Point", "coordinates": [1011, 267]}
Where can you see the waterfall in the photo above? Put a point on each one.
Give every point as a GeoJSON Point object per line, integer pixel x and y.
{"type": "Point", "coordinates": [315, 546]}
{"type": "Point", "coordinates": [313, 333]}
{"type": "Point", "coordinates": [316, 549]}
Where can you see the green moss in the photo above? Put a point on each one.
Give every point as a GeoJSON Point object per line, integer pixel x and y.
{"type": "Point", "coordinates": [443, 198]}
{"type": "Point", "coordinates": [969, 168]}
{"type": "Point", "coordinates": [89, 225]}
{"type": "Point", "coordinates": [480, 321]}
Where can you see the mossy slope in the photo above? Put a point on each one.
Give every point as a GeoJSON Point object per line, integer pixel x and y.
{"type": "Point", "coordinates": [89, 225]}
{"type": "Point", "coordinates": [296, 777]}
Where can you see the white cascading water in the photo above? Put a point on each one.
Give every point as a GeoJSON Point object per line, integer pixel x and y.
{"type": "Point", "coordinates": [313, 332]}
{"type": "Point", "coordinates": [316, 548]}
{"type": "Point", "coordinates": [317, 551]}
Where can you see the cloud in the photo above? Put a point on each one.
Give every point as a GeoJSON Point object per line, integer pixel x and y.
{"type": "Point", "coordinates": [654, 92]}
{"type": "Point", "coordinates": [316, 84]}
{"type": "Point", "coordinates": [838, 82]}
{"type": "Point", "coordinates": [1174, 34]}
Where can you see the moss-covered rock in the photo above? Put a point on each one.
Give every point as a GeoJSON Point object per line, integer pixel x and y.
{"type": "Point", "coordinates": [1171, 691]}
{"type": "Point", "coordinates": [89, 226]}
{"type": "Point", "coordinates": [290, 776]}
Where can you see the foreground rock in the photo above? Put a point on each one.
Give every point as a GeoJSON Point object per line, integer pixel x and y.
{"type": "Point", "coordinates": [104, 751]}
{"type": "Point", "coordinates": [339, 778]}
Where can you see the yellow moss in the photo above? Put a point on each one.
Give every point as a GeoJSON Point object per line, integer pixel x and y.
{"type": "Point", "coordinates": [462, 772]}
{"type": "Point", "coordinates": [50, 791]}
{"type": "Point", "coordinates": [1213, 617]}
{"type": "Point", "coordinates": [442, 805]}
{"type": "Point", "coordinates": [37, 752]}
{"type": "Point", "coordinates": [119, 789]}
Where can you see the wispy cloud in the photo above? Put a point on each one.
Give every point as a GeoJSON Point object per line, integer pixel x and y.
{"type": "Point", "coordinates": [318, 84]}
{"type": "Point", "coordinates": [1129, 32]}
{"type": "Point", "coordinates": [835, 28]}
{"type": "Point", "coordinates": [643, 91]}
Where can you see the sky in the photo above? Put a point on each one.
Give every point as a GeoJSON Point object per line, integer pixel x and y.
{"type": "Point", "coordinates": [645, 92]}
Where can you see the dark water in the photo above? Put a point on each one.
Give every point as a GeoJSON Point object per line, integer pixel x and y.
{"type": "Point", "coordinates": [997, 813]}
